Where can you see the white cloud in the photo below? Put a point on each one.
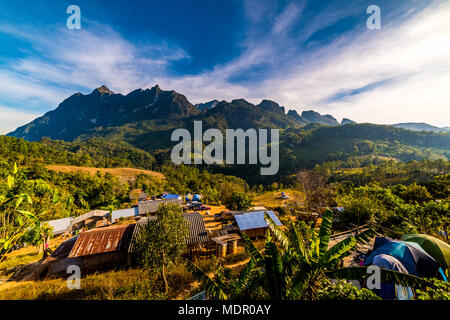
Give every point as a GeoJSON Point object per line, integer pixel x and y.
{"type": "Point", "coordinates": [10, 119]}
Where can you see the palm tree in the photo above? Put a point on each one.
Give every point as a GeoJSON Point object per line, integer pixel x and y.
{"type": "Point", "coordinates": [292, 267]}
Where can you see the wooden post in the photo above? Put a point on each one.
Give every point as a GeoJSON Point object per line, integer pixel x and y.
{"type": "Point", "coordinates": [221, 250]}
{"type": "Point", "coordinates": [232, 247]}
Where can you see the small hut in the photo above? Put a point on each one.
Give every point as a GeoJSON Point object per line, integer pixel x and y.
{"type": "Point", "coordinates": [103, 248]}
{"type": "Point", "coordinates": [253, 224]}
{"type": "Point", "coordinates": [137, 195]}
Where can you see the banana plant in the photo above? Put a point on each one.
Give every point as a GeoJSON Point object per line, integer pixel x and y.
{"type": "Point", "coordinates": [23, 219]}
{"type": "Point", "coordinates": [20, 221]}
{"type": "Point", "coordinates": [305, 265]}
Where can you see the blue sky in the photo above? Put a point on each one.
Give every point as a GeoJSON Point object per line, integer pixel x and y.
{"type": "Point", "coordinates": [305, 54]}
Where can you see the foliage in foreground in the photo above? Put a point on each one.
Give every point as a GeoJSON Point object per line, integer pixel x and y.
{"type": "Point", "coordinates": [291, 267]}
{"type": "Point", "coordinates": [439, 290]}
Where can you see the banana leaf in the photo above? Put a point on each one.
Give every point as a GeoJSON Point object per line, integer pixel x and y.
{"type": "Point", "coordinates": [274, 271]}
{"type": "Point", "coordinates": [277, 232]}
{"type": "Point", "coordinates": [325, 232]}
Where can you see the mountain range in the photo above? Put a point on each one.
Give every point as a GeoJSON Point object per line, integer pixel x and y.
{"type": "Point", "coordinates": [84, 114]}
{"type": "Point", "coordinates": [137, 128]}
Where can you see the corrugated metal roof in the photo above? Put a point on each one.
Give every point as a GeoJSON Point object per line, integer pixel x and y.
{"type": "Point", "coordinates": [90, 214]}
{"type": "Point", "coordinates": [197, 230]}
{"type": "Point", "coordinates": [109, 239]}
{"type": "Point", "coordinates": [124, 213]}
{"type": "Point", "coordinates": [255, 220]}
{"type": "Point", "coordinates": [225, 238]}
{"type": "Point", "coordinates": [59, 225]}
{"type": "Point", "coordinates": [196, 226]}
{"type": "Point", "coordinates": [152, 206]}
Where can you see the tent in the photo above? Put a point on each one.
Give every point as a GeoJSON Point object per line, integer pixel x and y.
{"type": "Point", "coordinates": [392, 291]}
{"type": "Point", "coordinates": [436, 248]}
{"type": "Point", "coordinates": [196, 197]}
{"type": "Point", "coordinates": [415, 261]}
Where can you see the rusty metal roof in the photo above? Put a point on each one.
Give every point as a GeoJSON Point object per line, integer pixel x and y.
{"type": "Point", "coordinates": [109, 239]}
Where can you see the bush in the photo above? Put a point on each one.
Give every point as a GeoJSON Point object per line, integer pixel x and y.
{"type": "Point", "coordinates": [342, 290]}
{"type": "Point", "coordinates": [439, 291]}
{"type": "Point", "coordinates": [238, 201]}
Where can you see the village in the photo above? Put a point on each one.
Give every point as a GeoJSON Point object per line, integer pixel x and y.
{"type": "Point", "coordinates": [100, 239]}
{"type": "Point", "coordinates": [102, 243]}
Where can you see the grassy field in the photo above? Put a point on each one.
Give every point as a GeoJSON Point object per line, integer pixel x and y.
{"type": "Point", "coordinates": [273, 198]}
{"type": "Point", "coordinates": [125, 174]}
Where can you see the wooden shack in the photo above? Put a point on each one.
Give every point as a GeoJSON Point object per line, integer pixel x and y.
{"type": "Point", "coordinates": [226, 244]}
{"type": "Point", "coordinates": [92, 250]}
{"type": "Point", "coordinates": [253, 223]}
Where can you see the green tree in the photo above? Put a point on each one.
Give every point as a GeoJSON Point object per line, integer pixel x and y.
{"type": "Point", "coordinates": [415, 193]}
{"type": "Point", "coordinates": [162, 241]}
{"type": "Point", "coordinates": [238, 201]}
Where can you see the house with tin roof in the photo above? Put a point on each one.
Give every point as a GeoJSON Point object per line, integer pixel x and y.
{"type": "Point", "coordinates": [253, 224]}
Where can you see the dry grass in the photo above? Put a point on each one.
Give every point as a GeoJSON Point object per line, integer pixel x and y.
{"type": "Point", "coordinates": [21, 257]}
{"type": "Point", "coordinates": [210, 223]}
{"type": "Point", "coordinates": [129, 284]}
{"type": "Point", "coordinates": [122, 284]}
{"type": "Point", "coordinates": [273, 198]}
{"type": "Point", "coordinates": [125, 174]}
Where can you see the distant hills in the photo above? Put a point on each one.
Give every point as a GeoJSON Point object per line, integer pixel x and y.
{"type": "Point", "coordinates": [420, 127]}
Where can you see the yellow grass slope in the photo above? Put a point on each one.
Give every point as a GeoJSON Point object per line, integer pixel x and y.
{"type": "Point", "coordinates": [125, 174]}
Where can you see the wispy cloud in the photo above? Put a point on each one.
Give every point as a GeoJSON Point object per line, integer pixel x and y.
{"type": "Point", "coordinates": [397, 74]}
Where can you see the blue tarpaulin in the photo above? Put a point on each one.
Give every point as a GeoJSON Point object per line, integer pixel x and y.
{"type": "Point", "coordinates": [170, 196]}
